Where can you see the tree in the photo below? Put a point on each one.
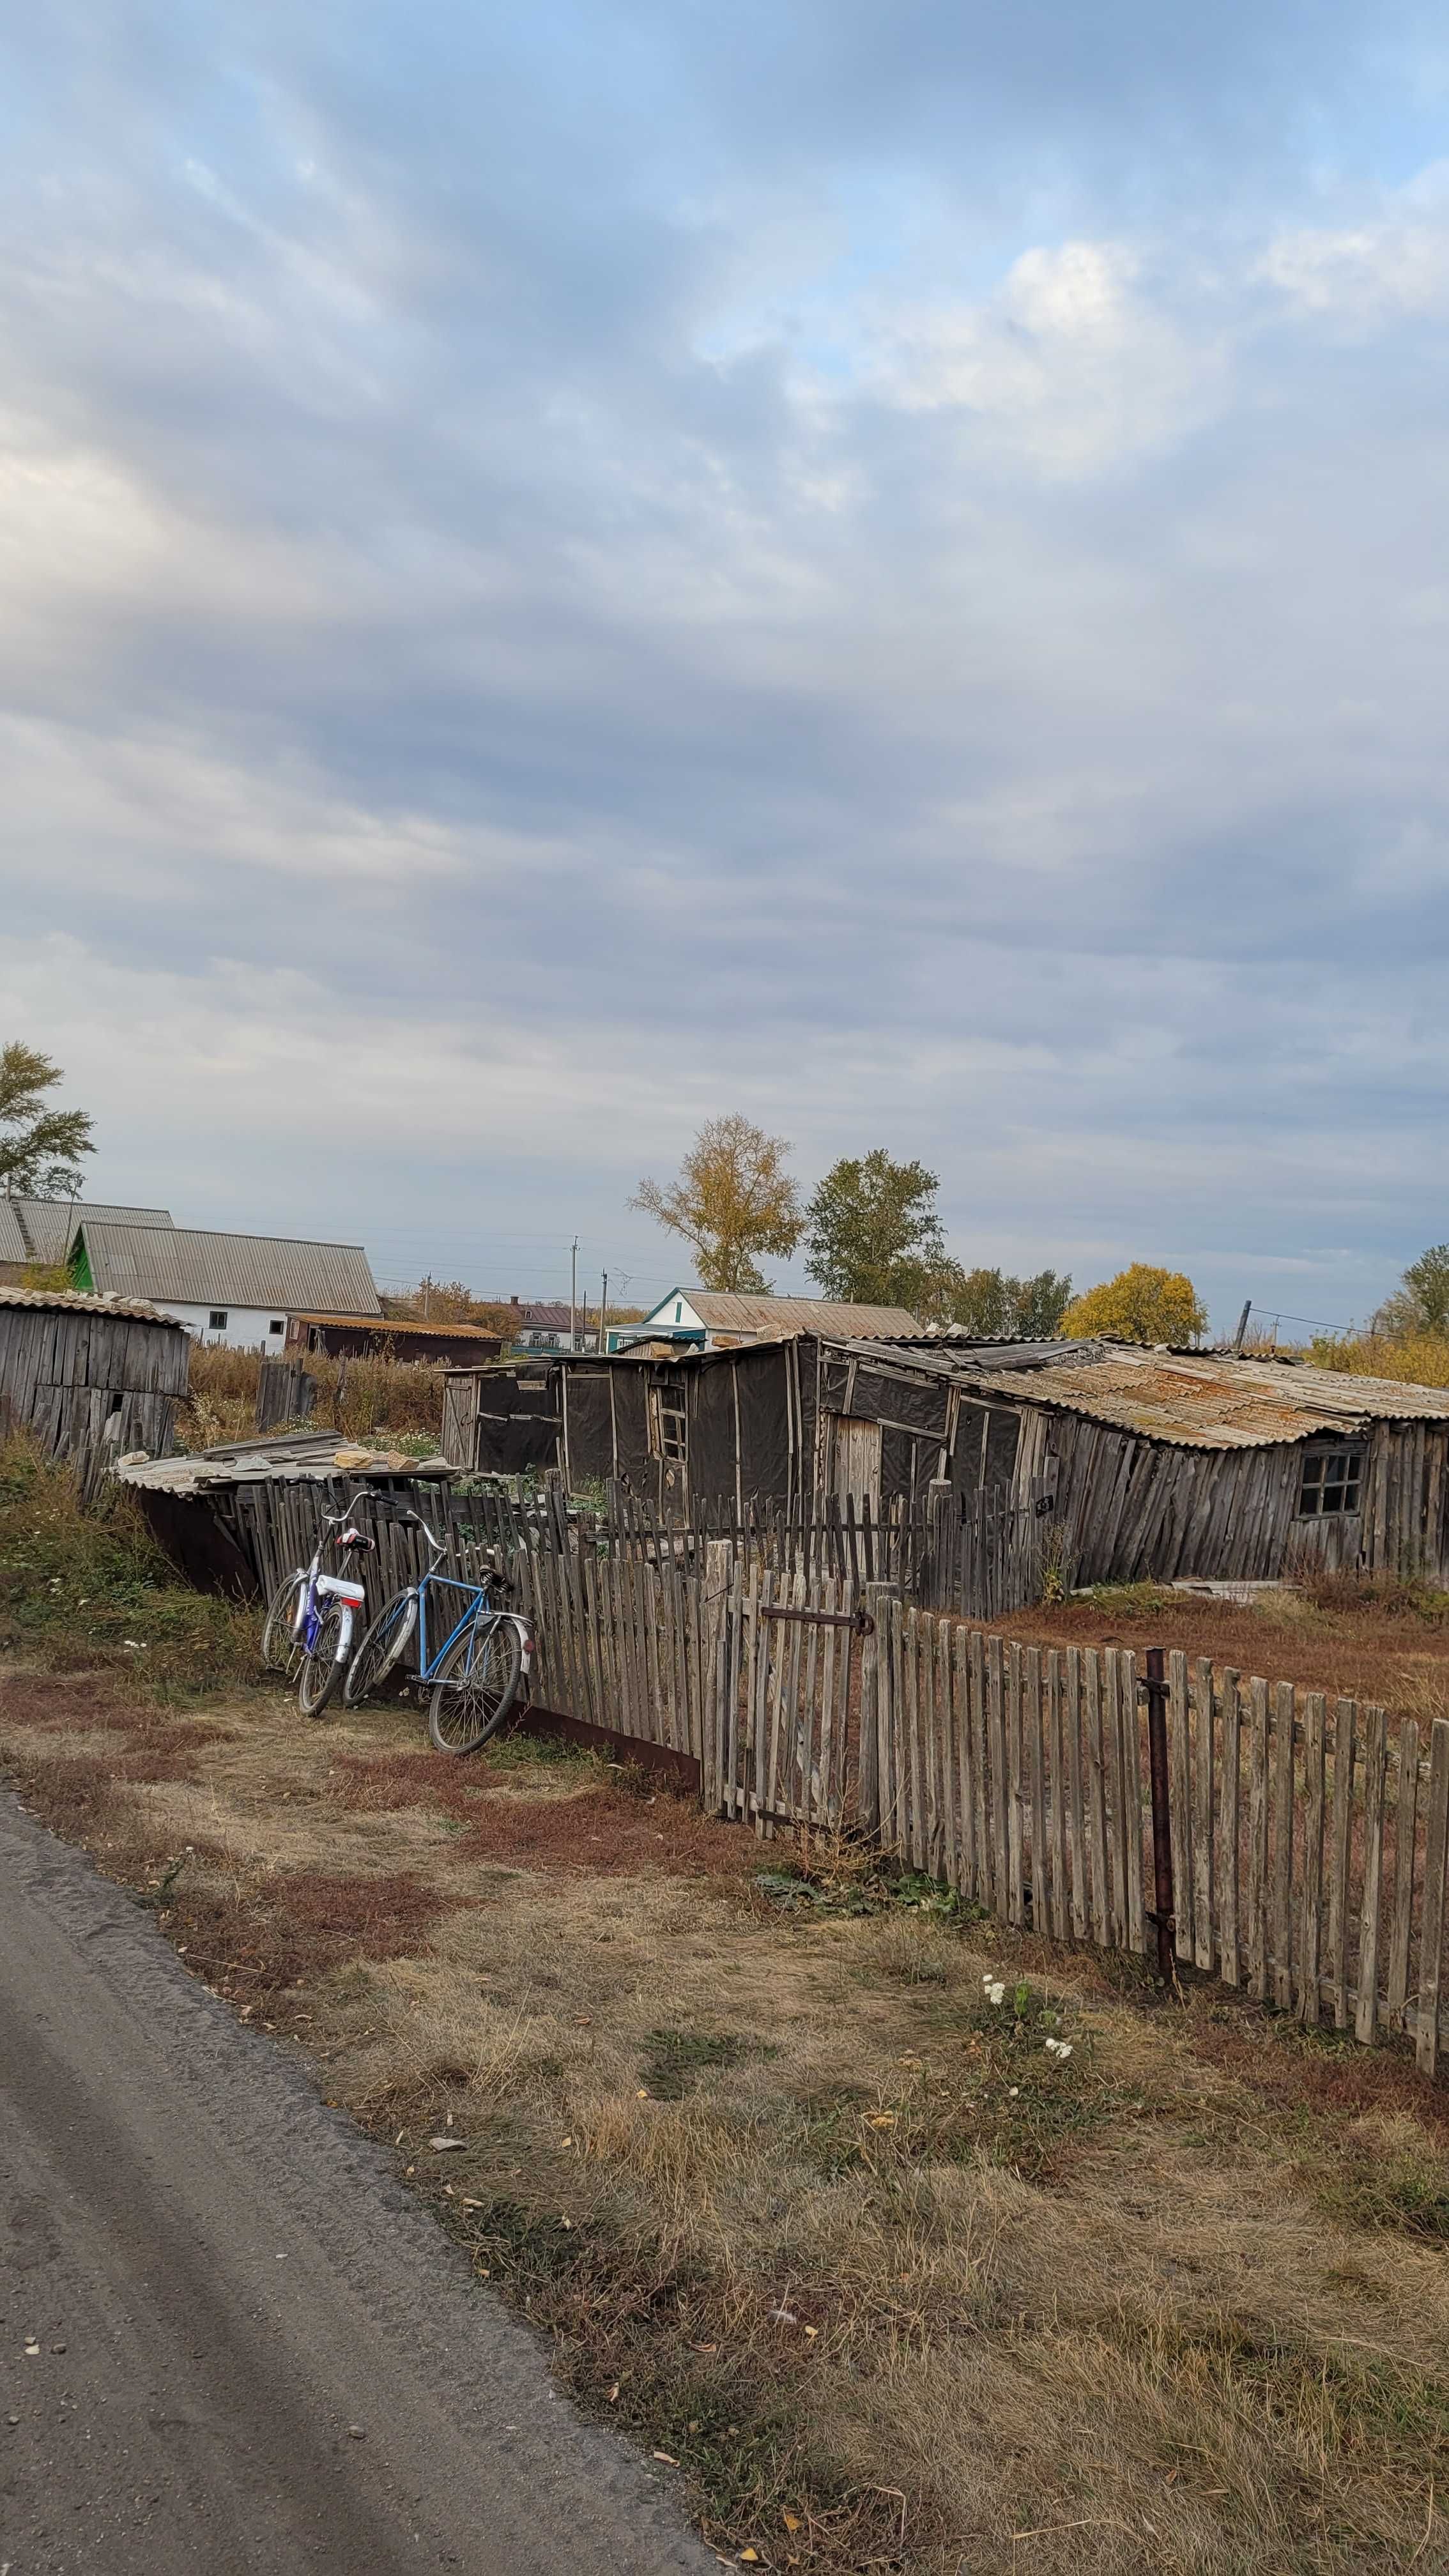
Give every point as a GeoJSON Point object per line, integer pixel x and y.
{"type": "Point", "coordinates": [448, 1301]}
{"type": "Point", "coordinates": [1420, 1303]}
{"type": "Point", "coordinates": [40, 1148]}
{"type": "Point", "coordinates": [1141, 1304]}
{"type": "Point", "coordinates": [991, 1301]}
{"type": "Point", "coordinates": [872, 1235]}
{"type": "Point", "coordinates": [732, 1200]}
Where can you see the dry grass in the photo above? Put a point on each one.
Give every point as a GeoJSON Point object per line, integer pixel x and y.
{"type": "Point", "coordinates": [1386, 1641]}
{"type": "Point", "coordinates": [795, 2200]}
{"type": "Point", "coordinates": [359, 1396]}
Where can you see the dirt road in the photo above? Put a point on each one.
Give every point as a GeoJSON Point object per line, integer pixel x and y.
{"type": "Point", "coordinates": [228, 2338]}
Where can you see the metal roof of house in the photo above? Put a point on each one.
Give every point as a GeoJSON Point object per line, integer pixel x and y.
{"type": "Point", "coordinates": [1192, 1399]}
{"type": "Point", "coordinates": [543, 1315]}
{"type": "Point", "coordinates": [721, 1311]}
{"type": "Point", "coordinates": [75, 1301]}
{"type": "Point", "coordinates": [45, 1229]}
{"type": "Point", "coordinates": [401, 1324]}
{"type": "Point", "coordinates": [183, 1266]}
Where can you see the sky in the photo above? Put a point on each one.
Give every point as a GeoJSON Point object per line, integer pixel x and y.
{"type": "Point", "coordinates": [876, 563]}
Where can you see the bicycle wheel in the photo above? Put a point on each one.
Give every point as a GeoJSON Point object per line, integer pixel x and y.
{"type": "Point", "coordinates": [382, 1647]}
{"type": "Point", "coordinates": [477, 1682]}
{"type": "Point", "coordinates": [281, 1649]}
{"type": "Point", "coordinates": [321, 1671]}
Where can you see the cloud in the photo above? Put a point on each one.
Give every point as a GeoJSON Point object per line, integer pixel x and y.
{"type": "Point", "coordinates": [1069, 367]}
{"type": "Point", "coordinates": [564, 572]}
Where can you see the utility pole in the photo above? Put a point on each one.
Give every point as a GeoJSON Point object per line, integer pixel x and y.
{"type": "Point", "coordinates": [574, 1296]}
{"type": "Point", "coordinates": [604, 1314]}
{"type": "Point", "coordinates": [1242, 1332]}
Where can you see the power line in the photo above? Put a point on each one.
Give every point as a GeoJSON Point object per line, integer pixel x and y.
{"type": "Point", "coordinates": [1281, 1315]}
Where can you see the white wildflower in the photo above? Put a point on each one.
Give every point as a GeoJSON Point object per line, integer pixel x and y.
{"type": "Point", "coordinates": [1059, 2048]}
{"type": "Point", "coordinates": [996, 1994]}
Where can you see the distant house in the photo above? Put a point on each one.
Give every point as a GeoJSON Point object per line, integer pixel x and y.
{"type": "Point", "coordinates": [40, 1233]}
{"type": "Point", "coordinates": [709, 1319]}
{"type": "Point", "coordinates": [241, 1289]}
{"type": "Point", "coordinates": [542, 1324]}
{"type": "Point", "coordinates": [357, 1336]}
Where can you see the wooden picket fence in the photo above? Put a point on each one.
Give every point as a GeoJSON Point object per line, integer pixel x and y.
{"type": "Point", "coordinates": [1309, 1839]}
{"type": "Point", "coordinates": [1309, 1836]}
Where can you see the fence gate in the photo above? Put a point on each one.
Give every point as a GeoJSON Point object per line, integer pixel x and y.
{"type": "Point", "coordinates": [789, 1687]}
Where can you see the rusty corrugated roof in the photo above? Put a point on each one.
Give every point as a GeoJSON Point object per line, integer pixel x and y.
{"type": "Point", "coordinates": [402, 1324]}
{"type": "Point", "coordinates": [1204, 1401]}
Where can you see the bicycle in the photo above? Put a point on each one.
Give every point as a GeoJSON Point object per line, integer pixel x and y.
{"type": "Point", "coordinates": [307, 1634]}
{"type": "Point", "coordinates": [478, 1668]}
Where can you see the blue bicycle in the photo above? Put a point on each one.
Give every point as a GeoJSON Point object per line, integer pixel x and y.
{"type": "Point", "coordinates": [477, 1666]}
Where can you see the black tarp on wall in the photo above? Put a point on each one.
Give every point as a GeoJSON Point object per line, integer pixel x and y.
{"type": "Point", "coordinates": [516, 1421]}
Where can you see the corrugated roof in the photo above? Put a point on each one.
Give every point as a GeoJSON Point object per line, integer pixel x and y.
{"type": "Point", "coordinates": [45, 1229]}
{"type": "Point", "coordinates": [1207, 1402]}
{"type": "Point", "coordinates": [71, 1301]}
{"type": "Point", "coordinates": [723, 1312]}
{"type": "Point", "coordinates": [183, 1266]}
{"type": "Point", "coordinates": [285, 1457]}
{"type": "Point", "coordinates": [400, 1324]}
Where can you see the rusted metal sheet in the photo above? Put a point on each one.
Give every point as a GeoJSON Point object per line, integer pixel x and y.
{"type": "Point", "coordinates": [678, 1771]}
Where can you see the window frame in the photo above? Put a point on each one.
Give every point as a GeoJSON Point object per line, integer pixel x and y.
{"type": "Point", "coordinates": [669, 1446]}
{"type": "Point", "coordinates": [218, 1319]}
{"type": "Point", "coordinates": [1331, 1480]}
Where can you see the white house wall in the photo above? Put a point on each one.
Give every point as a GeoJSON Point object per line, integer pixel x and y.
{"type": "Point", "coordinates": [247, 1328]}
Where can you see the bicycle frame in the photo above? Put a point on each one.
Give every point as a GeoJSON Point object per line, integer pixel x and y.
{"type": "Point", "coordinates": [320, 1588]}
{"type": "Point", "coordinates": [478, 1611]}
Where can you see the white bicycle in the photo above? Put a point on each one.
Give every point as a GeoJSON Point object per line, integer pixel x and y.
{"type": "Point", "coordinates": [311, 1615]}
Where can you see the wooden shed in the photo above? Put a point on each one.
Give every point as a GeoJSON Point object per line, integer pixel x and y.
{"type": "Point", "coordinates": [91, 1377]}
{"type": "Point", "coordinates": [389, 1337]}
{"type": "Point", "coordinates": [1161, 1464]}
{"type": "Point", "coordinates": [679, 1429]}
{"type": "Point", "coordinates": [1158, 1464]}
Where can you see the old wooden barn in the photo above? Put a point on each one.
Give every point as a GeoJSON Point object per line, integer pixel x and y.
{"type": "Point", "coordinates": [90, 1377]}
{"type": "Point", "coordinates": [1148, 1463]}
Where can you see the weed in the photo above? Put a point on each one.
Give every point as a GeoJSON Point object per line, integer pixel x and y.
{"type": "Point", "coordinates": [1394, 2182]}
{"type": "Point", "coordinates": [88, 1586]}
{"type": "Point", "coordinates": [674, 2059]}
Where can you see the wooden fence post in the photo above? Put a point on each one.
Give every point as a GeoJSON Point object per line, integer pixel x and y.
{"type": "Point", "coordinates": [874, 1600]}
{"type": "Point", "coordinates": [1156, 1688]}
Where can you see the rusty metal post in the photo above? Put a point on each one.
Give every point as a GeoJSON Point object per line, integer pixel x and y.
{"type": "Point", "coordinates": [1155, 1687]}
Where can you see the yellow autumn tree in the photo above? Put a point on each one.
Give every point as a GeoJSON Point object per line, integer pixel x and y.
{"type": "Point", "coordinates": [1142, 1304]}
{"type": "Point", "coordinates": [733, 1199]}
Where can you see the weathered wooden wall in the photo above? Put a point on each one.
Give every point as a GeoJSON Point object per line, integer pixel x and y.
{"type": "Point", "coordinates": [1133, 1509]}
{"type": "Point", "coordinates": [90, 1386]}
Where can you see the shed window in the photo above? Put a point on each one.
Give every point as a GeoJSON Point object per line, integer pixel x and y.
{"type": "Point", "coordinates": [218, 1319]}
{"type": "Point", "coordinates": [669, 1426]}
{"type": "Point", "coordinates": [1331, 1482]}
{"type": "Point", "coordinates": [278, 1324]}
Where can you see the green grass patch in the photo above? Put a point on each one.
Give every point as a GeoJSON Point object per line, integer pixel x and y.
{"type": "Point", "coordinates": [88, 1588]}
{"type": "Point", "coordinates": [674, 2060]}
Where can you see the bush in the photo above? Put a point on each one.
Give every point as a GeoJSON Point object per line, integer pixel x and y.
{"type": "Point", "coordinates": [86, 1588]}
{"type": "Point", "coordinates": [1418, 1359]}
